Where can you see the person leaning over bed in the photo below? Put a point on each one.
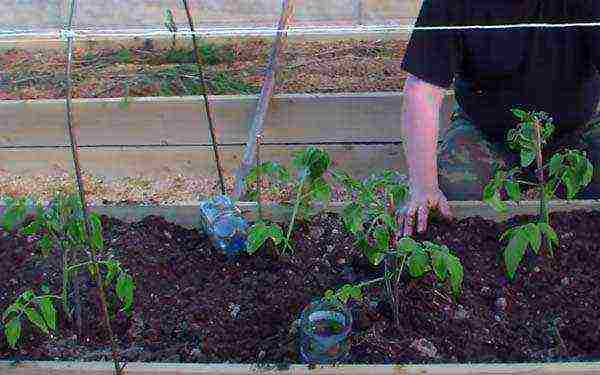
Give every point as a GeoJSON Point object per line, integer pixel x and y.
{"type": "Point", "coordinates": [555, 70]}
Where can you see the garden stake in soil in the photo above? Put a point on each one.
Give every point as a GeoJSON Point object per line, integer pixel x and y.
{"type": "Point", "coordinates": [211, 126]}
{"type": "Point", "coordinates": [544, 214]}
{"type": "Point", "coordinates": [258, 179]}
{"type": "Point", "coordinates": [80, 187]}
{"type": "Point", "coordinates": [265, 98]}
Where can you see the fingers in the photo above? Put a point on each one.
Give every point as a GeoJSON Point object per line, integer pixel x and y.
{"type": "Point", "coordinates": [409, 220]}
{"type": "Point", "coordinates": [423, 218]}
{"type": "Point", "coordinates": [445, 208]}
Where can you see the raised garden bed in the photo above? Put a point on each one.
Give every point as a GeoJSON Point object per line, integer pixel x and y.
{"type": "Point", "coordinates": [194, 306]}
{"type": "Point", "coordinates": [233, 67]}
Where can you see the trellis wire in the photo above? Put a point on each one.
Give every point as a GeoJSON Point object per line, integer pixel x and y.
{"type": "Point", "coordinates": [75, 153]}
{"type": "Point", "coordinates": [271, 31]}
{"type": "Point", "coordinates": [209, 117]}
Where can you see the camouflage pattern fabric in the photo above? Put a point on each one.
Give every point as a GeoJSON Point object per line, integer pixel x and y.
{"type": "Point", "coordinates": [467, 160]}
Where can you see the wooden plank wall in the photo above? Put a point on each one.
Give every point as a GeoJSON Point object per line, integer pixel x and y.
{"type": "Point", "coordinates": [156, 136]}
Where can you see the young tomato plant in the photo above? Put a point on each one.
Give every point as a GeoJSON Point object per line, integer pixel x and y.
{"type": "Point", "coordinates": [310, 186]}
{"type": "Point", "coordinates": [371, 218]}
{"type": "Point", "coordinates": [60, 225]}
{"type": "Point", "coordinates": [570, 168]}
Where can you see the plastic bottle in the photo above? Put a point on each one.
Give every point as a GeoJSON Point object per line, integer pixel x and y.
{"type": "Point", "coordinates": [223, 223]}
{"type": "Point", "coordinates": [325, 329]}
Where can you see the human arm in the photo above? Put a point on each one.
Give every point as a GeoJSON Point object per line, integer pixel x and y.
{"type": "Point", "coordinates": [431, 59]}
{"type": "Point", "coordinates": [420, 119]}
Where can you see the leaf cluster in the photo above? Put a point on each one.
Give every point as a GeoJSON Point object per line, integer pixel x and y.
{"type": "Point", "coordinates": [61, 223]}
{"type": "Point", "coordinates": [307, 178]}
{"type": "Point", "coordinates": [371, 218]}
{"type": "Point", "coordinates": [421, 258]}
{"type": "Point", "coordinates": [571, 168]}
{"type": "Point", "coordinates": [39, 310]}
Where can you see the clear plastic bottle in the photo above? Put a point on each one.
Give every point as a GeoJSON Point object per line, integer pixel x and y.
{"type": "Point", "coordinates": [223, 223]}
{"type": "Point", "coordinates": [325, 329]}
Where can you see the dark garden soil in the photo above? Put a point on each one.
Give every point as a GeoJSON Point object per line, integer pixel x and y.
{"type": "Point", "coordinates": [193, 306]}
{"type": "Point", "coordinates": [231, 68]}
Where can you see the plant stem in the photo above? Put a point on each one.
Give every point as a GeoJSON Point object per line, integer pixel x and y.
{"type": "Point", "coordinates": [544, 214]}
{"type": "Point", "coordinates": [295, 212]}
{"type": "Point", "coordinates": [65, 281]}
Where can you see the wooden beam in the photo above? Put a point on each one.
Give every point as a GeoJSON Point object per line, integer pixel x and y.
{"type": "Point", "coordinates": [187, 214]}
{"type": "Point", "coordinates": [156, 161]}
{"type": "Point", "coordinates": [292, 118]}
{"type": "Point", "coordinates": [103, 368]}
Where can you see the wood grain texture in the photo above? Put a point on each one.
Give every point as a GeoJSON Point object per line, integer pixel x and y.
{"type": "Point", "coordinates": [187, 214]}
{"type": "Point", "coordinates": [100, 368]}
{"type": "Point", "coordinates": [292, 118]}
{"type": "Point", "coordinates": [157, 161]}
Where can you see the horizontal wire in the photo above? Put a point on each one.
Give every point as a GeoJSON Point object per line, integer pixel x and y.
{"type": "Point", "coordinates": [268, 31]}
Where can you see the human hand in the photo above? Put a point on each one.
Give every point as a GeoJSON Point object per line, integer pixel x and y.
{"type": "Point", "coordinates": [421, 202]}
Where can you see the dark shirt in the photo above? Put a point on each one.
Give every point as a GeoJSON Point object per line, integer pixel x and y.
{"type": "Point", "coordinates": [555, 70]}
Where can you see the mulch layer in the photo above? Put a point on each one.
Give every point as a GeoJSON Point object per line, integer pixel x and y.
{"type": "Point", "coordinates": [192, 305]}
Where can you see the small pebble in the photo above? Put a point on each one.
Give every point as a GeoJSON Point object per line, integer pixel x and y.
{"type": "Point", "coordinates": [425, 347]}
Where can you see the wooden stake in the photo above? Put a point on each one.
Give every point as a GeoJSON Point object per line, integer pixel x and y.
{"type": "Point", "coordinates": [265, 98]}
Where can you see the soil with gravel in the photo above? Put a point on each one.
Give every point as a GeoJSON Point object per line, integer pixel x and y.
{"type": "Point", "coordinates": [192, 305]}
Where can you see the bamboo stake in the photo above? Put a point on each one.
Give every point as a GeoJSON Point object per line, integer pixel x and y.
{"type": "Point", "coordinates": [80, 187]}
{"type": "Point", "coordinates": [265, 98]}
{"type": "Point", "coordinates": [211, 126]}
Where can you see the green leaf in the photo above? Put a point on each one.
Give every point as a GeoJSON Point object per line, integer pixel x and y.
{"type": "Point", "coordinates": [9, 220]}
{"type": "Point", "coordinates": [346, 293]}
{"type": "Point", "coordinates": [555, 166]}
{"type": "Point", "coordinates": [356, 293]}
{"type": "Point", "coordinates": [513, 190]}
{"type": "Point", "coordinates": [527, 157]}
{"type": "Point", "coordinates": [31, 229]}
{"type": "Point", "coordinates": [35, 318]}
{"type": "Point", "coordinates": [549, 232]}
{"type": "Point", "coordinates": [568, 178]}
{"type": "Point", "coordinates": [532, 232]}
{"type": "Point", "coordinates": [439, 265]}
{"type": "Point", "coordinates": [125, 288]}
{"type": "Point", "coordinates": [522, 115]}
{"type": "Point", "coordinates": [13, 331]}
{"type": "Point", "coordinates": [114, 267]}
{"type": "Point", "coordinates": [96, 239]}
{"type": "Point", "coordinates": [343, 178]}
{"type": "Point", "coordinates": [456, 273]}
{"type": "Point", "coordinates": [46, 244]}
{"type": "Point", "coordinates": [15, 308]}
{"type": "Point", "coordinates": [407, 245]}
{"type": "Point", "coordinates": [259, 233]}
{"type": "Point", "coordinates": [48, 312]}
{"type": "Point", "coordinates": [514, 252]}
{"type": "Point", "coordinates": [353, 218]}
{"type": "Point", "coordinates": [275, 233]}
{"type": "Point", "coordinates": [418, 263]}
{"type": "Point", "coordinates": [492, 197]}
{"type": "Point", "coordinates": [382, 236]}
{"type": "Point", "coordinates": [400, 193]}
{"type": "Point", "coordinates": [375, 257]}
{"type": "Point", "coordinates": [330, 295]}
{"type": "Point", "coordinates": [320, 190]}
